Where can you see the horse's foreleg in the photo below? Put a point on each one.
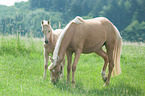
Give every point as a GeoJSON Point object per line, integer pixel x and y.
{"type": "Point", "coordinates": [62, 67]}
{"type": "Point", "coordinates": [77, 56]}
{"type": "Point", "coordinates": [69, 60]}
{"type": "Point", "coordinates": [105, 57]}
{"type": "Point", "coordinates": [45, 63]}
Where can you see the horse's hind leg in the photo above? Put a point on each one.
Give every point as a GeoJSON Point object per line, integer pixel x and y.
{"type": "Point", "coordinates": [110, 49]}
{"type": "Point", "coordinates": [105, 57]}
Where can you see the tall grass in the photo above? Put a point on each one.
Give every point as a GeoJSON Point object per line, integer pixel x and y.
{"type": "Point", "coordinates": [22, 66]}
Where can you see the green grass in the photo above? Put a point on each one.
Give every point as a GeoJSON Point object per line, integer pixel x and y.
{"type": "Point", "coordinates": [22, 66]}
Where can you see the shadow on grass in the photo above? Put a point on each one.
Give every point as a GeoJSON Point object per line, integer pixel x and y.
{"type": "Point", "coordinates": [111, 90]}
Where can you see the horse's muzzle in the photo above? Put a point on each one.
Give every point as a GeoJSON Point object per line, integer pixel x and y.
{"type": "Point", "coordinates": [46, 41]}
{"type": "Point", "coordinates": [53, 81]}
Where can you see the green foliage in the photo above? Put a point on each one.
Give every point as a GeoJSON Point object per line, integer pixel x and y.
{"type": "Point", "coordinates": [34, 18]}
{"type": "Point", "coordinates": [22, 67]}
{"type": "Point", "coordinates": [28, 23]}
{"type": "Point", "coordinates": [25, 17]}
{"type": "Point", "coordinates": [135, 30]}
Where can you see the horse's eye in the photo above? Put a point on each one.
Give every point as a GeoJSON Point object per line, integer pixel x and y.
{"type": "Point", "coordinates": [48, 30]}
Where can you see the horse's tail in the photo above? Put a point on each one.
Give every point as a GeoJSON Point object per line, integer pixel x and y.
{"type": "Point", "coordinates": [117, 53]}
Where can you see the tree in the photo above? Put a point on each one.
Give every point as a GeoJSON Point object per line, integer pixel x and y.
{"type": "Point", "coordinates": [135, 31]}
{"type": "Point", "coordinates": [25, 17]}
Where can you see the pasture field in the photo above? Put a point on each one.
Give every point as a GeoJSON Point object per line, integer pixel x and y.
{"type": "Point", "coordinates": [22, 66]}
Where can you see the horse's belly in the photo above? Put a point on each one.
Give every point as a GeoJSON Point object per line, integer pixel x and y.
{"type": "Point", "coordinates": [92, 47]}
{"type": "Point", "coordinates": [89, 50]}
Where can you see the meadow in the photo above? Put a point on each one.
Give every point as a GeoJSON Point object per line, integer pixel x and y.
{"type": "Point", "coordinates": [22, 67]}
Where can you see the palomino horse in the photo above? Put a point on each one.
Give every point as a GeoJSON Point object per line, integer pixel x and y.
{"type": "Point", "coordinates": [87, 36]}
{"type": "Point", "coordinates": [50, 37]}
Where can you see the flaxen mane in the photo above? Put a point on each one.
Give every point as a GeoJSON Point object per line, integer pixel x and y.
{"type": "Point", "coordinates": [77, 20]}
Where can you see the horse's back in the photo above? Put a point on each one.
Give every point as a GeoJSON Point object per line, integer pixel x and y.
{"type": "Point", "coordinates": [58, 31]}
{"type": "Point", "coordinates": [93, 28]}
{"type": "Point", "coordinates": [92, 33]}
{"type": "Point", "coordinates": [102, 26]}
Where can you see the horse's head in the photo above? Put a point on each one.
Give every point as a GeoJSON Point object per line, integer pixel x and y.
{"type": "Point", "coordinates": [56, 69]}
{"type": "Point", "coordinates": [47, 30]}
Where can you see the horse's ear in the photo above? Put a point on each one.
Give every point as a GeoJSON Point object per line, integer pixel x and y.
{"type": "Point", "coordinates": [42, 22]}
{"type": "Point", "coordinates": [51, 59]}
{"type": "Point", "coordinates": [48, 22]}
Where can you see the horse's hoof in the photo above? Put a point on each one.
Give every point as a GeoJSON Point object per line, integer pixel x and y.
{"type": "Point", "coordinates": [106, 84]}
{"type": "Point", "coordinates": [73, 85]}
{"type": "Point", "coordinates": [67, 82]}
{"type": "Point", "coordinates": [105, 79]}
{"type": "Point", "coordinates": [44, 78]}
{"type": "Point", "coordinates": [61, 77]}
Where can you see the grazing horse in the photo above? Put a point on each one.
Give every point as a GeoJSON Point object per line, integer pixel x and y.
{"type": "Point", "coordinates": [50, 38]}
{"type": "Point", "coordinates": [88, 36]}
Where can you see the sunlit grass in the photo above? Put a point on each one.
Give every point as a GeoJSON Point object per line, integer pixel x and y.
{"type": "Point", "coordinates": [22, 66]}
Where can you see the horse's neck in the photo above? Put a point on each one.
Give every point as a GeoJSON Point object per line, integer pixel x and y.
{"type": "Point", "coordinates": [64, 44]}
{"type": "Point", "coordinates": [53, 37]}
